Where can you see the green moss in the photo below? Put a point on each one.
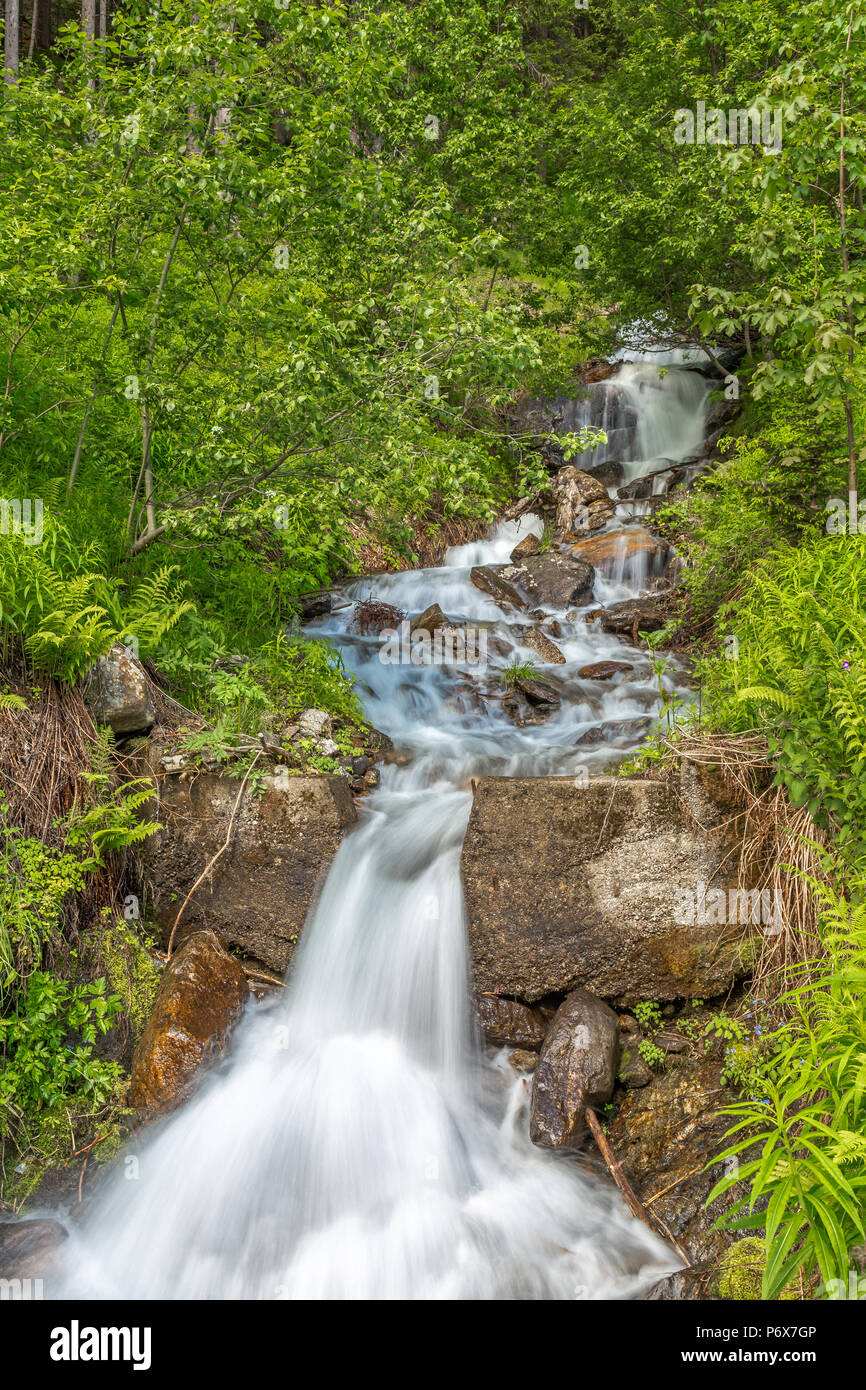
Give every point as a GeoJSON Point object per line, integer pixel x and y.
{"type": "Point", "coordinates": [131, 970]}
{"type": "Point", "coordinates": [741, 1270]}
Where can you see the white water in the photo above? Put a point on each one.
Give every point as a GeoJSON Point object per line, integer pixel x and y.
{"type": "Point", "coordinates": [358, 1142]}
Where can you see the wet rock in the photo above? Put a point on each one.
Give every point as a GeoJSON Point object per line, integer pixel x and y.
{"type": "Point", "coordinates": [259, 893]}
{"type": "Point", "coordinates": [315, 605]}
{"type": "Point", "coordinates": [117, 691]}
{"type": "Point", "coordinates": [523, 1061]}
{"type": "Point", "coordinates": [615, 548]}
{"type": "Point", "coordinates": [581, 885]}
{"type": "Point", "coordinates": [378, 742]}
{"type": "Point", "coordinates": [552, 627]}
{"type": "Point", "coordinates": [372, 616]}
{"type": "Point", "coordinates": [359, 766]}
{"type": "Point", "coordinates": [553, 580]}
{"type": "Point", "coordinates": [371, 779]}
{"type": "Point", "coordinates": [664, 1135]}
{"type": "Point", "coordinates": [201, 996]}
{"type": "Point", "coordinates": [609, 474]}
{"type": "Point", "coordinates": [537, 692]}
{"type": "Point", "coordinates": [489, 580]}
{"type": "Point", "coordinates": [576, 1068]}
{"type": "Point", "coordinates": [641, 489]}
{"type": "Point", "coordinates": [633, 1071]}
{"type": "Point", "coordinates": [530, 545]}
{"type": "Point", "coordinates": [28, 1248]}
{"type": "Point", "coordinates": [612, 731]}
{"type": "Point", "coordinates": [430, 620]}
{"type": "Point", "coordinates": [582, 503]}
{"type": "Point", "coordinates": [631, 616]}
{"type": "Point", "coordinates": [508, 1021]}
{"type": "Point", "coordinates": [603, 670]}
{"type": "Point", "coordinates": [547, 650]}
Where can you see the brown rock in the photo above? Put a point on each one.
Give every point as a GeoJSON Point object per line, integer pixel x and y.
{"type": "Point", "coordinates": [524, 1061]}
{"type": "Point", "coordinates": [508, 1021]}
{"type": "Point", "coordinates": [580, 885]}
{"type": "Point", "coordinates": [530, 545]}
{"type": "Point", "coordinates": [632, 616]}
{"type": "Point", "coordinates": [617, 548]}
{"type": "Point", "coordinates": [431, 619]}
{"type": "Point", "coordinates": [576, 1068]}
{"type": "Point", "coordinates": [575, 494]}
{"type": "Point", "coordinates": [258, 896]}
{"type": "Point", "coordinates": [488, 579]}
{"type": "Point", "coordinates": [614, 730]}
{"type": "Point", "coordinates": [553, 579]}
{"type": "Point", "coordinates": [603, 670]}
{"type": "Point", "coordinates": [547, 650]}
{"type": "Point", "coordinates": [201, 996]}
{"type": "Point", "coordinates": [537, 692]}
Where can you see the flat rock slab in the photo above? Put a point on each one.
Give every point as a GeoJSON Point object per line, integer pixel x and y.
{"type": "Point", "coordinates": [615, 548]}
{"type": "Point", "coordinates": [579, 885]}
{"type": "Point", "coordinates": [258, 896]}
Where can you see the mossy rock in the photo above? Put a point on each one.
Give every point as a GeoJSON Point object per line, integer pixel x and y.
{"type": "Point", "coordinates": [740, 1272]}
{"type": "Point", "coordinates": [131, 972]}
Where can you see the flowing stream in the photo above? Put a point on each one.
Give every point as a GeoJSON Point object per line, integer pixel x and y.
{"type": "Point", "coordinates": [358, 1141]}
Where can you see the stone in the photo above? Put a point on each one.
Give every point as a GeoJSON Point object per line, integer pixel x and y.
{"type": "Point", "coordinates": [542, 645]}
{"type": "Point", "coordinates": [580, 884]}
{"type": "Point", "coordinates": [632, 616]}
{"type": "Point", "coordinates": [201, 996]}
{"type": "Point", "coordinates": [258, 895]}
{"type": "Point", "coordinates": [576, 1069]}
{"type": "Point", "coordinates": [603, 670]}
{"type": "Point", "coordinates": [508, 1021]}
{"type": "Point", "coordinates": [614, 730]}
{"type": "Point", "coordinates": [530, 545]}
{"type": "Point", "coordinates": [610, 473]}
{"type": "Point", "coordinates": [574, 493]}
{"type": "Point", "coordinates": [611, 551]}
{"type": "Point", "coordinates": [552, 579]}
{"type": "Point", "coordinates": [118, 692]}
{"type": "Point", "coordinates": [523, 1060]}
{"type": "Point", "coordinates": [665, 1135]}
{"type": "Point", "coordinates": [371, 779]}
{"type": "Point", "coordinates": [314, 723]}
{"type": "Point", "coordinates": [430, 620]}
{"type": "Point", "coordinates": [489, 580]}
{"type": "Point", "coordinates": [315, 605]}
{"type": "Point", "coordinates": [328, 747]}
{"type": "Point", "coordinates": [28, 1247]}
{"type": "Point", "coordinates": [537, 692]}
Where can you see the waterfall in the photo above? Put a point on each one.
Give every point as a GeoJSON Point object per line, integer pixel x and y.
{"type": "Point", "coordinates": [358, 1141]}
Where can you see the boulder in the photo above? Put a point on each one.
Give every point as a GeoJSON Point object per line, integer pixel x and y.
{"type": "Point", "coordinates": [581, 501]}
{"type": "Point", "coordinates": [576, 1068]}
{"type": "Point", "coordinates": [314, 605]}
{"type": "Point", "coordinates": [603, 670]}
{"type": "Point", "coordinates": [573, 884]}
{"type": "Point", "coordinates": [615, 549]}
{"type": "Point", "coordinates": [610, 473]}
{"type": "Point", "coordinates": [507, 1021]}
{"type": "Point", "coordinates": [258, 895]}
{"type": "Point", "coordinates": [632, 616]}
{"type": "Point", "coordinates": [542, 645]}
{"type": "Point", "coordinates": [664, 1135]}
{"type": "Point", "coordinates": [552, 579]}
{"type": "Point", "coordinates": [201, 996]}
{"type": "Point", "coordinates": [118, 692]}
{"type": "Point", "coordinates": [28, 1248]}
{"type": "Point", "coordinates": [314, 723]}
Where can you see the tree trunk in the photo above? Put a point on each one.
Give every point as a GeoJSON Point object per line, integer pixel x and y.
{"type": "Point", "coordinates": [10, 48]}
{"type": "Point", "coordinates": [88, 18]}
{"type": "Point", "coordinates": [103, 18]}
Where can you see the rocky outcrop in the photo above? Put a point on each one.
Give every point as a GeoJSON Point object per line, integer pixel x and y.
{"type": "Point", "coordinates": [201, 996]}
{"type": "Point", "coordinates": [508, 1022]}
{"type": "Point", "coordinates": [258, 895]}
{"type": "Point", "coordinates": [664, 1135]}
{"type": "Point", "coordinates": [118, 693]}
{"type": "Point", "coordinates": [574, 884]}
{"type": "Point", "coordinates": [576, 1069]}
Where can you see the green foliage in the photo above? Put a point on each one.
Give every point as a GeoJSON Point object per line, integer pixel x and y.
{"type": "Point", "coordinates": [47, 1045]}
{"type": "Point", "coordinates": [798, 668]}
{"type": "Point", "coordinates": [802, 1131]}
{"type": "Point", "coordinates": [519, 671]}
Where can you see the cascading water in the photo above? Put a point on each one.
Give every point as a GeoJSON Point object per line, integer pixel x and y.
{"type": "Point", "coordinates": [357, 1142]}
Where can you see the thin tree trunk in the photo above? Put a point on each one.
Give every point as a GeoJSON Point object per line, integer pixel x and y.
{"type": "Point", "coordinates": [88, 18]}
{"type": "Point", "coordinates": [34, 25]}
{"type": "Point", "coordinates": [10, 46]}
{"type": "Point", "coordinates": [103, 18]}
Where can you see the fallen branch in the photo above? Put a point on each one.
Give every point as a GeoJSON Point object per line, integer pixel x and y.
{"type": "Point", "coordinates": [219, 854]}
{"type": "Point", "coordinates": [632, 1201]}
